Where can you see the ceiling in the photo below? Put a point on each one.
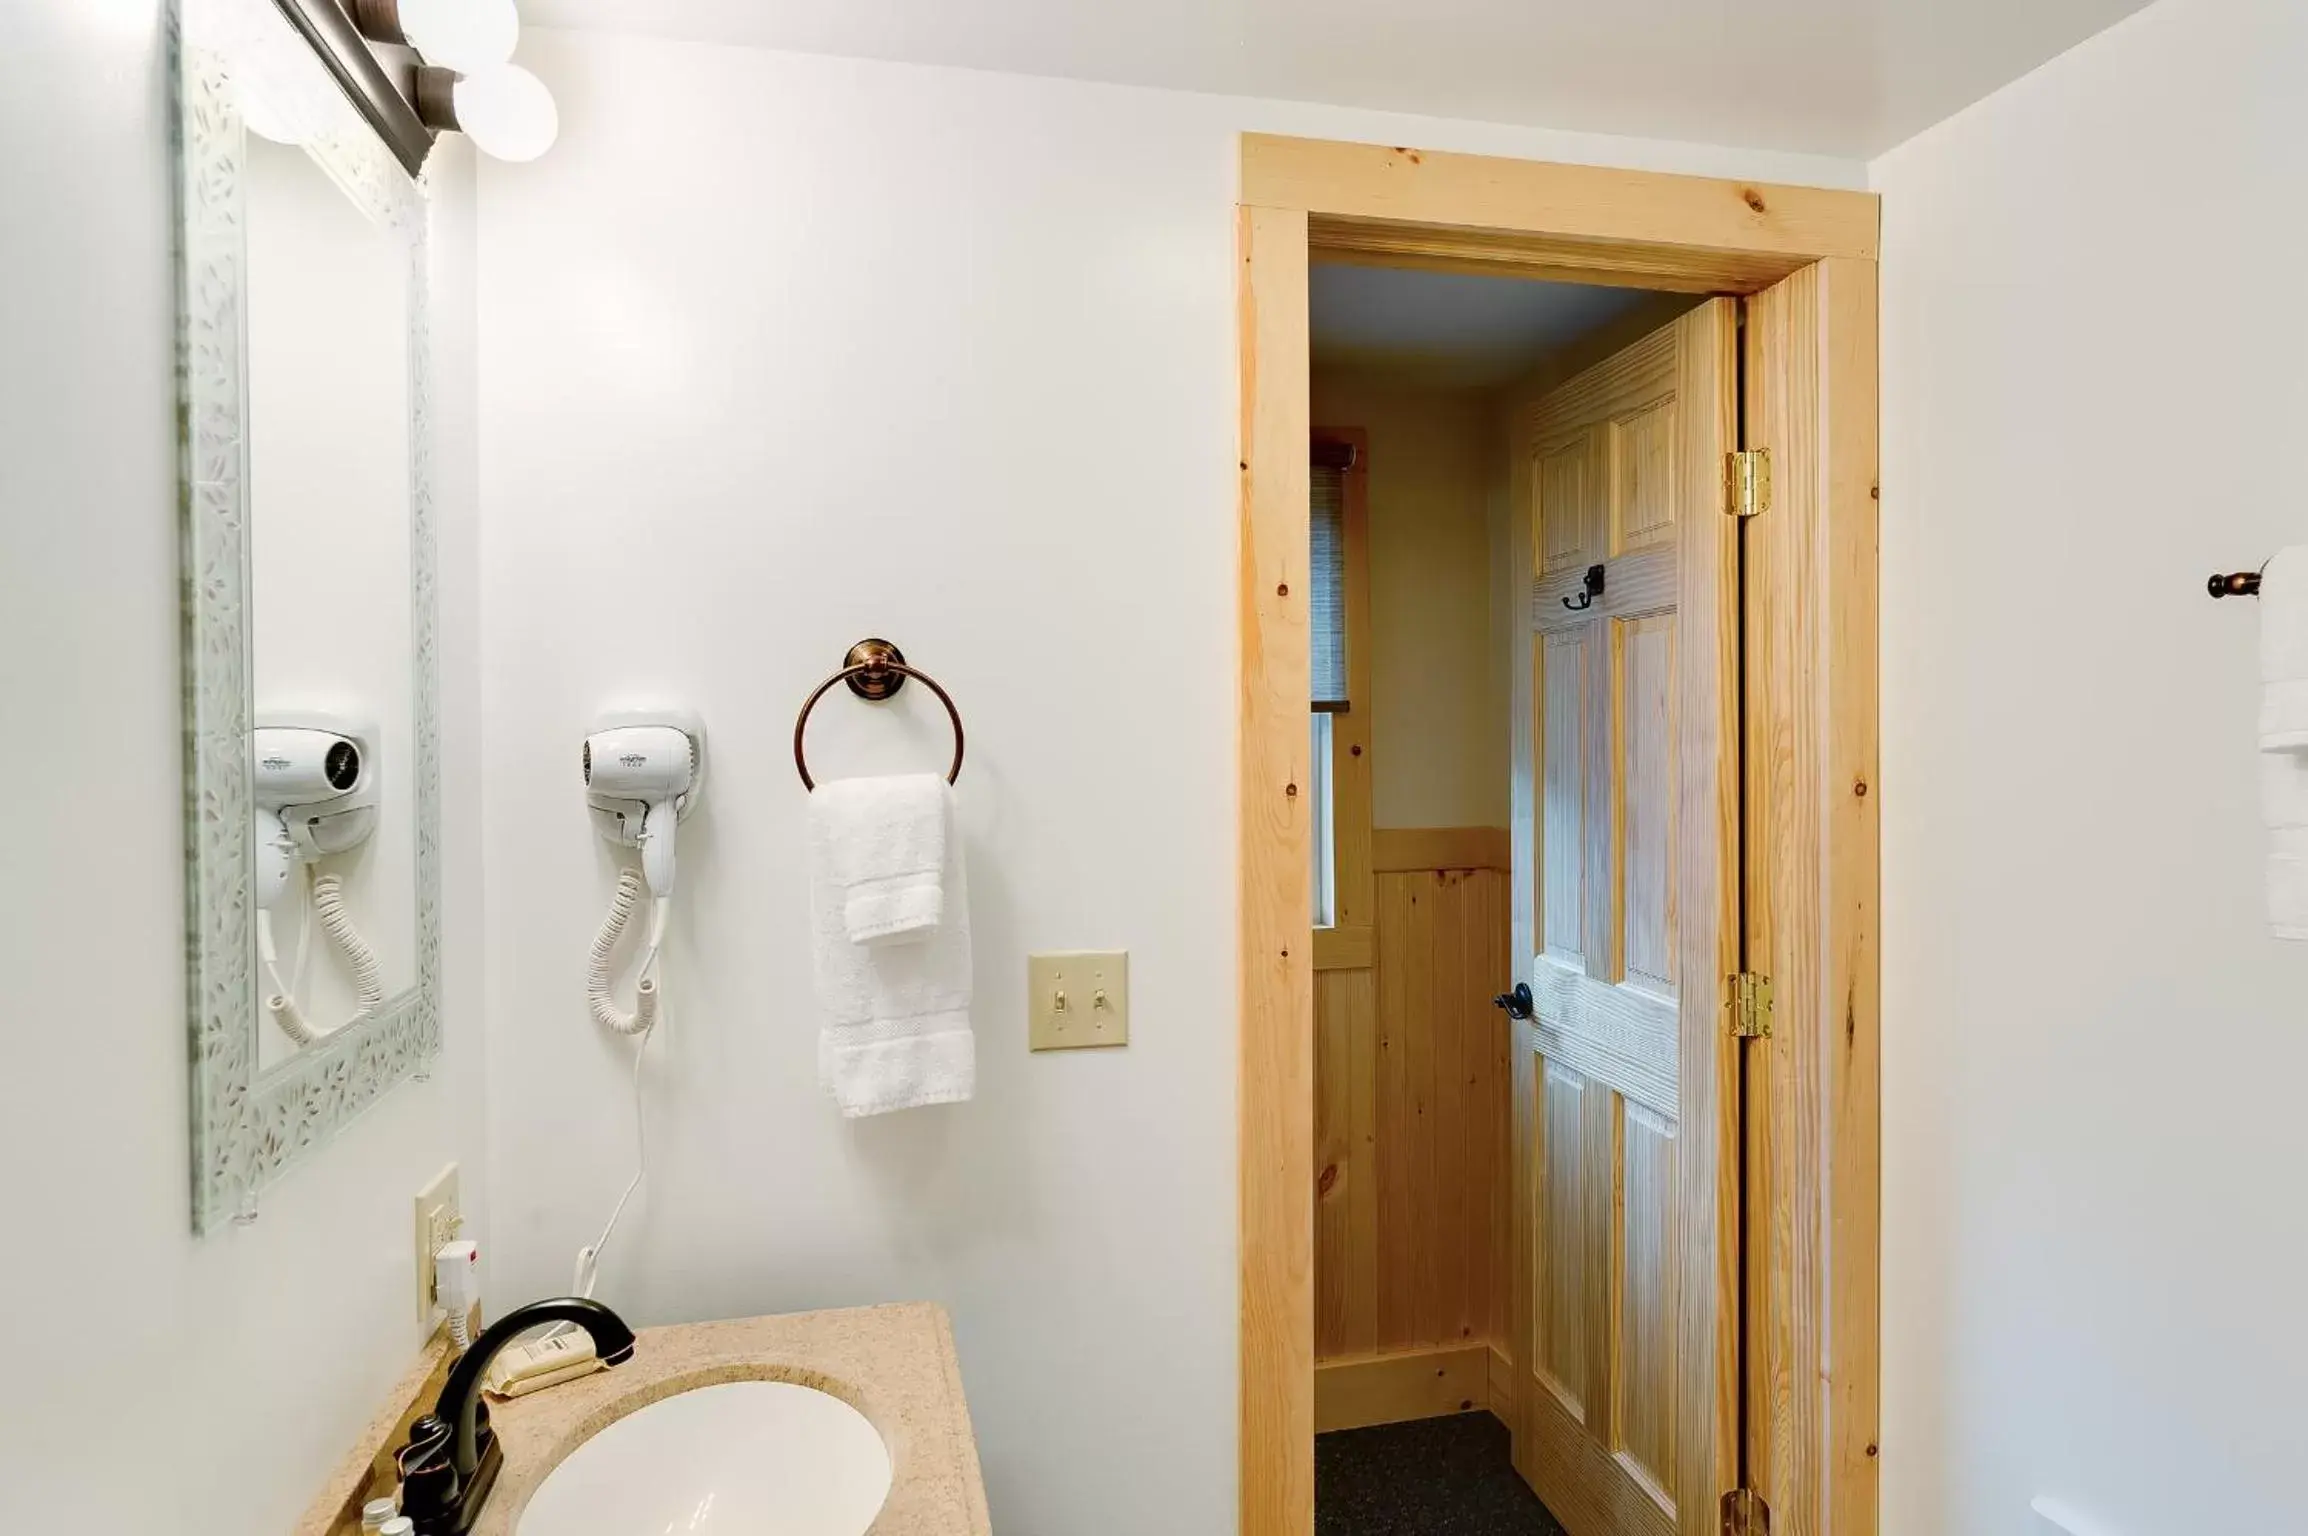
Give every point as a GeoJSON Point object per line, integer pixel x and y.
{"type": "Point", "coordinates": [1837, 77]}
{"type": "Point", "coordinates": [1444, 330]}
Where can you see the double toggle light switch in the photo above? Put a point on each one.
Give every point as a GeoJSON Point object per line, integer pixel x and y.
{"type": "Point", "coordinates": [1077, 1000]}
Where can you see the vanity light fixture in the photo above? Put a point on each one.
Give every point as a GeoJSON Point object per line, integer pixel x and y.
{"type": "Point", "coordinates": [467, 36]}
{"type": "Point", "coordinates": [465, 80]}
{"type": "Point", "coordinates": [506, 111]}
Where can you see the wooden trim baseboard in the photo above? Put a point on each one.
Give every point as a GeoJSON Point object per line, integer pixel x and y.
{"type": "Point", "coordinates": [1410, 1384]}
{"type": "Point", "coordinates": [1502, 1385]}
{"type": "Point", "coordinates": [1401, 850]}
{"type": "Point", "coordinates": [1345, 949]}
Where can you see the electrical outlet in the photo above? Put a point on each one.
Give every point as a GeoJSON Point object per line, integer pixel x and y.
{"type": "Point", "coordinates": [440, 1215]}
{"type": "Point", "coordinates": [1077, 1000]}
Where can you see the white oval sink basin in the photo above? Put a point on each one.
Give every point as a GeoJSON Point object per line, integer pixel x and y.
{"type": "Point", "coordinates": [745, 1458]}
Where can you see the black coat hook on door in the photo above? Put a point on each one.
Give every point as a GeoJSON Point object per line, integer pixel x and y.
{"type": "Point", "coordinates": [1590, 589]}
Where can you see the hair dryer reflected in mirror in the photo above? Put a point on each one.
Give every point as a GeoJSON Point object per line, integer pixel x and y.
{"type": "Point", "coordinates": [315, 794]}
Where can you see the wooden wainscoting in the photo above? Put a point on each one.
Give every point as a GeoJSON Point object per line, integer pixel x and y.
{"type": "Point", "coordinates": [1411, 1127]}
{"type": "Point", "coordinates": [1403, 849]}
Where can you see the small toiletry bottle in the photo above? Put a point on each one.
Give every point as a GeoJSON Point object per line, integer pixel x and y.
{"type": "Point", "coordinates": [399, 1525]}
{"type": "Point", "coordinates": [376, 1513]}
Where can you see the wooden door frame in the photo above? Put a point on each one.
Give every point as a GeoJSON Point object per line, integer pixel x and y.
{"type": "Point", "coordinates": [1811, 843]}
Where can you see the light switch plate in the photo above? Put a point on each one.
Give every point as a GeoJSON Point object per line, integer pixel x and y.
{"type": "Point", "coordinates": [440, 1215]}
{"type": "Point", "coordinates": [1077, 1000]}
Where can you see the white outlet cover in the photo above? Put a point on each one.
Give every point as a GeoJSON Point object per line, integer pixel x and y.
{"type": "Point", "coordinates": [439, 1207]}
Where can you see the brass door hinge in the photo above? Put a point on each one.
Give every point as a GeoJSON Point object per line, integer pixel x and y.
{"type": "Point", "coordinates": [1750, 1006]}
{"type": "Point", "coordinates": [1747, 482]}
{"type": "Point", "coordinates": [1745, 1513]}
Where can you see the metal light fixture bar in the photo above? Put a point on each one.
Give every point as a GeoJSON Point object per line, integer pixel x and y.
{"type": "Point", "coordinates": [383, 93]}
{"type": "Point", "coordinates": [463, 78]}
{"type": "Point", "coordinates": [378, 20]}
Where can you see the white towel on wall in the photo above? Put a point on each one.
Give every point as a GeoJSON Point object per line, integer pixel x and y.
{"type": "Point", "coordinates": [886, 846]}
{"type": "Point", "coordinates": [2284, 738]}
{"type": "Point", "coordinates": [2285, 795]}
{"type": "Point", "coordinates": [896, 1026]}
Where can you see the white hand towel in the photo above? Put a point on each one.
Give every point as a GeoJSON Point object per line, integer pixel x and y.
{"type": "Point", "coordinates": [885, 842]}
{"type": "Point", "coordinates": [896, 1030]}
{"type": "Point", "coordinates": [2284, 807]}
{"type": "Point", "coordinates": [2284, 738]}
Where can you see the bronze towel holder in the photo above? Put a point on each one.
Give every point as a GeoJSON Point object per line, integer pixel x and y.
{"type": "Point", "coordinates": [874, 670]}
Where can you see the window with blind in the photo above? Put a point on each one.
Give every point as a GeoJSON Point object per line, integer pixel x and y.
{"type": "Point", "coordinates": [1326, 607]}
{"type": "Point", "coordinates": [1326, 644]}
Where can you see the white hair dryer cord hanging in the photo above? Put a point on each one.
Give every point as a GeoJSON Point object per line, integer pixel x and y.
{"type": "Point", "coordinates": [641, 1021]}
{"type": "Point", "coordinates": [643, 1016]}
{"type": "Point", "coordinates": [643, 769]}
{"type": "Point", "coordinates": [328, 905]}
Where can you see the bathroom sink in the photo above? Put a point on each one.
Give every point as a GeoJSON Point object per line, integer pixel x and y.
{"type": "Point", "coordinates": [742, 1458]}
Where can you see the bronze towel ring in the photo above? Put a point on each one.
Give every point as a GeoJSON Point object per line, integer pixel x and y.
{"type": "Point", "coordinates": [874, 669]}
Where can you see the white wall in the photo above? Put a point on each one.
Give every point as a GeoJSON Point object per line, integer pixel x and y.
{"type": "Point", "coordinates": [778, 352]}
{"type": "Point", "coordinates": [2094, 1233]}
{"type": "Point", "coordinates": [1438, 755]}
{"type": "Point", "coordinates": [155, 1382]}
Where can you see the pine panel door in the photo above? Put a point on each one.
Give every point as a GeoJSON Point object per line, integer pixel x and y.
{"type": "Point", "coordinates": [1623, 1341]}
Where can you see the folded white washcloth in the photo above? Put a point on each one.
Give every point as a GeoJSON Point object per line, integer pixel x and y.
{"type": "Point", "coordinates": [885, 842]}
{"type": "Point", "coordinates": [896, 1029]}
{"type": "Point", "coordinates": [2284, 807]}
{"type": "Point", "coordinates": [2284, 738]}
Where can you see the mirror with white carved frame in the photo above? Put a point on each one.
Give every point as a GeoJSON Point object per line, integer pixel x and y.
{"type": "Point", "coordinates": [312, 749]}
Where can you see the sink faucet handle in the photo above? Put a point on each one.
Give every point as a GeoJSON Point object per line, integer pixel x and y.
{"type": "Point", "coordinates": [429, 1481]}
{"type": "Point", "coordinates": [428, 1442]}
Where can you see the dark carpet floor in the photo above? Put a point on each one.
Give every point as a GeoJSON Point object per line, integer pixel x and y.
{"type": "Point", "coordinates": [1433, 1477]}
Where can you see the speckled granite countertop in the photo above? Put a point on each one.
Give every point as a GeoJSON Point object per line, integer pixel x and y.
{"type": "Point", "coordinates": [895, 1364]}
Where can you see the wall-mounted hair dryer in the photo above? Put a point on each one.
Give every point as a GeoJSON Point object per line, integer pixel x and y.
{"type": "Point", "coordinates": [644, 769]}
{"type": "Point", "coordinates": [315, 793]}
{"type": "Point", "coordinates": [639, 781]}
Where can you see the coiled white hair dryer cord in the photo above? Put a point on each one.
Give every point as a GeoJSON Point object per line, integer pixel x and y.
{"type": "Point", "coordinates": [642, 1021]}
{"type": "Point", "coordinates": [605, 1009]}
{"type": "Point", "coordinates": [328, 903]}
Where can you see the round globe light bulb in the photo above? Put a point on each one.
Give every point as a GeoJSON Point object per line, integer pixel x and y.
{"type": "Point", "coordinates": [464, 35]}
{"type": "Point", "coordinates": [506, 112]}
